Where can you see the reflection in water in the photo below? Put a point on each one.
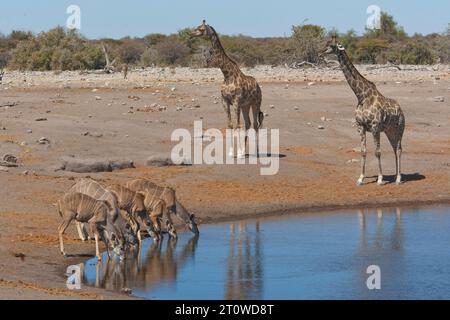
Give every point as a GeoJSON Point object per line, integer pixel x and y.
{"type": "Point", "coordinates": [160, 263]}
{"type": "Point", "coordinates": [244, 274]}
{"type": "Point", "coordinates": [384, 248]}
{"type": "Point", "coordinates": [308, 256]}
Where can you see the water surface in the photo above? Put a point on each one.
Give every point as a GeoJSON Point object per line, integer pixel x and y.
{"type": "Point", "coordinates": [307, 256]}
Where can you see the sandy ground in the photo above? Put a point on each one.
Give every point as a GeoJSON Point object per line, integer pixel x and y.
{"type": "Point", "coordinates": [106, 117]}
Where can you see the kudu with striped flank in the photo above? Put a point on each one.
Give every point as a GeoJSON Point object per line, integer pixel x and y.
{"type": "Point", "coordinates": [85, 209]}
{"type": "Point", "coordinates": [134, 204]}
{"type": "Point", "coordinates": [95, 190]}
{"type": "Point", "coordinates": [169, 196]}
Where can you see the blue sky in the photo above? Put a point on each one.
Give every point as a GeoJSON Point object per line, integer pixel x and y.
{"type": "Point", "coordinates": [114, 18]}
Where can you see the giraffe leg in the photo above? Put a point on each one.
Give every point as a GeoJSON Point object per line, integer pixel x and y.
{"type": "Point", "coordinates": [395, 138]}
{"type": "Point", "coordinates": [248, 124]}
{"type": "Point", "coordinates": [362, 133]}
{"type": "Point", "coordinates": [377, 140]}
{"type": "Point", "coordinates": [258, 117]}
{"type": "Point", "coordinates": [227, 108]}
{"type": "Point", "coordinates": [399, 163]}
{"type": "Point", "coordinates": [236, 128]}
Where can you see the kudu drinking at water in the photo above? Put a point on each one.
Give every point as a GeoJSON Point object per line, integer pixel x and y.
{"type": "Point", "coordinates": [95, 190]}
{"type": "Point", "coordinates": [134, 204]}
{"type": "Point", "coordinates": [168, 195]}
{"type": "Point", "coordinates": [84, 209]}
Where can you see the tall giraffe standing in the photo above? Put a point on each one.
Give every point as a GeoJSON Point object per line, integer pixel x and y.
{"type": "Point", "coordinates": [375, 113]}
{"type": "Point", "coordinates": [238, 90]}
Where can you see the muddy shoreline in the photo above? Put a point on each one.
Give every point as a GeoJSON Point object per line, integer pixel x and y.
{"type": "Point", "coordinates": [105, 117]}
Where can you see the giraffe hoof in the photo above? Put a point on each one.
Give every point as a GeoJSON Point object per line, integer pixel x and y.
{"type": "Point", "coordinates": [381, 182]}
{"type": "Point", "coordinates": [398, 182]}
{"type": "Point", "coordinates": [359, 183]}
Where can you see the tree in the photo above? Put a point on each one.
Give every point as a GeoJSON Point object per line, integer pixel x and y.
{"type": "Point", "coordinates": [308, 39]}
{"type": "Point", "coordinates": [369, 49]}
{"type": "Point", "coordinates": [389, 29]}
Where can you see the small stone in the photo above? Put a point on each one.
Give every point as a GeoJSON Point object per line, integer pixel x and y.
{"type": "Point", "coordinates": [173, 89]}
{"type": "Point", "coordinates": [10, 158]}
{"type": "Point", "coordinates": [98, 98]}
{"type": "Point", "coordinates": [311, 84]}
{"type": "Point", "coordinates": [43, 140]}
{"type": "Point", "coordinates": [272, 106]}
{"type": "Point", "coordinates": [320, 127]}
{"type": "Point", "coordinates": [296, 108]}
{"type": "Point", "coordinates": [94, 90]}
{"type": "Point", "coordinates": [353, 161]}
{"type": "Point", "coordinates": [4, 169]}
{"type": "Point", "coordinates": [86, 133]}
{"type": "Point", "coordinates": [40, 119]}
{"type": "Point", "coordinates": [266, 114]}
{"type": "Point", "coordinates": [323, 119]}
{"type": "Point", "coordinates": [162, 108]}
{"type": "Point", "coordinates": [29, 131]}
{"type": "Point", "coordinates": [197, 106]}
{"type": "Point", "coordinates": [439, 99]}
{"type": "Point", "coordinates": [179, 109]}
{"type": "Point", "coordinates": [23, 144]}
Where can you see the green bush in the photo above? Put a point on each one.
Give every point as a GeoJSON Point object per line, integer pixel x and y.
{"type": "Point", "coordinates": [309, 39]}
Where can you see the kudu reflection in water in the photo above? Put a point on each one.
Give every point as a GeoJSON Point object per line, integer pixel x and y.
{"type": "Point", "coordinates": [161, 263]}
{"type": "Point", "coordinates": [244, 274]}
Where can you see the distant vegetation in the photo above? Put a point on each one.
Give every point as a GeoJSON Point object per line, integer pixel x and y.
{"type": "Point", "coordinates": [59, 49]}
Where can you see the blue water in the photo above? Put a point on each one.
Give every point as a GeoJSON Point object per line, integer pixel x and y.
{"type": "Point", "coordinates": [306, 256]}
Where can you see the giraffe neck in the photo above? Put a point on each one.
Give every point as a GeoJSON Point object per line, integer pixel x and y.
{"type": "Point", "coordinates": [360, 85]}
{"type": "Point", "coordinates": [221, 60]}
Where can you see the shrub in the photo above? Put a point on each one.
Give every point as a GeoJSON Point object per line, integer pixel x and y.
{"type": "Point", "coordinates": [369, 50]}
{"type": "Point", "coordinates": [308, 39]}
{"type": "Point", "coordinates": [170, 51]}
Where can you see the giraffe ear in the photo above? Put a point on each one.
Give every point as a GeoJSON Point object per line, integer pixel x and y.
{"type": "Point", "coordinates": [204, 22]}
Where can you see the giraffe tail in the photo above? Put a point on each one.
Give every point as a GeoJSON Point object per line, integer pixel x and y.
{"type": "Point", "coordinates": [260, 119]}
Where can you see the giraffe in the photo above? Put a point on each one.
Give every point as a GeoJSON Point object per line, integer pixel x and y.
{"type": "Point", "coordinates": [238, 90]}
{"type": "Point", "coordinates": [374, 113]}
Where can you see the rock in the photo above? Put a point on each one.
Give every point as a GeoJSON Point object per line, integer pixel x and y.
{"type": "Point", "coordinates": [439, 99]}
{"type": "Point", "coordinates": [320, 127]}
{"type": "Point", "coordinates": [197, 106]}
{"type": "Point", "coordinates": [40, 119]}
{"type": "Point", "coordinates": [353, 161]}
{"type": "Point", "coordinates": [98, 98]}
{"type": "Point", "coordinates": [272, 106]}
{"type": "Point", "coordinates": [323, 119]}
{"type": "Point", "coordinates": [4, 169]}
{"type": "Point", "coordinates": [311, 84]}
{"type": "Point", "coordinates": [93, 165]}
{"type": "Point", "coordinates": [43, 140]}
{"type": "Point", "coordinates": [296, 108]}
{"type": "Point", "coordinates": [29, 131]}
{"type": "Point", "coordinates": [163, 161]}
{"type": "Point", "coordinates": [8, 104]}
{"type": "Point", "coordinates": [266, 114]}
{"type": "Point", "coordinates": [23, 144]}
{"type": "Point", "coordinates": [179, 109]}
{"type": "Point", "coordinates": [173, 89]}
{"type": "Point", "coordinates": [10, 158]}
{"type": "Point", "coordinates": [162, 108]}
{"type": "Point", "coordinates": [86, 133]}
{"type": "Point", "coordinates": [94, 90]}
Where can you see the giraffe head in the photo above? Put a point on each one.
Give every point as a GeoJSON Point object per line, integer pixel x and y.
{"type": "Point", "coordinates": [332, 46]}
{"type": "Point", "coordinates": [202, 30]}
